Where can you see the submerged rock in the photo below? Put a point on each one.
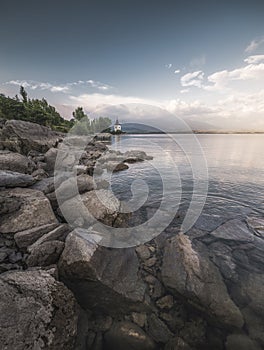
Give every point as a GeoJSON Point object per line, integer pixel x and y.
{"type": "Point", "coordinates": [36, 312]}
{"type": "Point", "coordinates": [191, 274]}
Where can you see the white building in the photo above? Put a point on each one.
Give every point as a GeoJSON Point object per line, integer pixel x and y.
{"type": "Point", "coordinates": [117, 126]}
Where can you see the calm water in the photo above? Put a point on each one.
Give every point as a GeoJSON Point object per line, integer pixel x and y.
{"type": "Point", "coordinates": [235, 166]}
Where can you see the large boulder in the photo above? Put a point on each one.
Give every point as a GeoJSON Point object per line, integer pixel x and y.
{"type": "Point", "coordinates": [15, 162]}
{"type": "Point", "coordinates": [22, 137]}
{"type": "Point", "coordinates": [33, 210]}
{"type": "Point", "coordinates": [102, 276]}
{"type": "Point", "coordinates": [36, 312]}
{"type": "Point", "coordinates": [14, 179]}
{"type": "Point", "coordinates": [188, 271]}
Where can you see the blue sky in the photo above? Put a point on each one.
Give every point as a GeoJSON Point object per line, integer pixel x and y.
{"type": "Point", "coordinates": [201, 61]}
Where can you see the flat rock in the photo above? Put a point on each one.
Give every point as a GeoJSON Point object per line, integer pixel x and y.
{"type": "Point", "coordinates": [14, 179]}
{"type": "Point", "coordinates": [191, 274]}
{"type": "Point", "coordinates": [67, 189]}
{"type": "Point", "coordinates": [35, 210]}
{"type": "Point", "coordinates": [36, 312]}
{"type": "Point", "coordinates": [233, 230]}
{"type": "Point", "coordinates": [26, 238]}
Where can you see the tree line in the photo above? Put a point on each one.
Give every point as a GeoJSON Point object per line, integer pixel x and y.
{"type": "Point", "coordinates": [40, 111]}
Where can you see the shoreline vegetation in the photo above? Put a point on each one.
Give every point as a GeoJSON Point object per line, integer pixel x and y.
{"type": "Point", "coordinates": [200, 290]}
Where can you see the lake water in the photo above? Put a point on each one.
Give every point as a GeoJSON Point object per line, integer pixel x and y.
{"type": "Point", "coordinates": [235, 165]}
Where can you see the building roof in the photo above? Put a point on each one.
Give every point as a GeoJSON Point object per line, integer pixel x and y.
{"type": "Point", "coordinates": [117, 122]}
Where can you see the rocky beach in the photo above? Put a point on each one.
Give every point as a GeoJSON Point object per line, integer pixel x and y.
{"type": "Point", "coordinates": [60, 289]}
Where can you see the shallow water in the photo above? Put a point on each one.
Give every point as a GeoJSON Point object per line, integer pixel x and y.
{"type": "Point", "coordinates": [235, 166]}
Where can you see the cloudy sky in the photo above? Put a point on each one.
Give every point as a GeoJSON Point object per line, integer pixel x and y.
{"type": "Point", "coordinates": [201, 61]}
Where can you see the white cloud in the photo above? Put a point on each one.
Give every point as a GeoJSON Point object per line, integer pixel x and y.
{"type": "Point", "coordinates": [177, 71]}
{"type": "Point", "coordinates": [254, 44]}
{"type": "Point", "coordinates": [65, 88]}
{"type": "Point", "coordinates": [193, 79]}
{"type": "Point", "coordinates": [184, 91]}
{"type": "Point", "coordinates": [254, 59]}
{"type": "Point", "coordinates": [169, 65]}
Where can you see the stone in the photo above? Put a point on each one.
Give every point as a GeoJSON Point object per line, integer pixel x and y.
{"type": "Point", "coordinates": [177, 343]}
{"type": "Point", "coordinates": [257, 225]}
{"type": "Point", "coordinates": [139, 318]}
{"type": "Point", "coordinates": [233, 230]}
{"type": "Point", "coordinates": [158, 330]}
{"type": "Point", "coordinates": [143, 252]}
{"type": "Point", "coordinates": [190, 273]}
{"type": "Point", "coordinates": [116, 166]}
{"type": "Point", "coordinates": [23, 137]}
{"type": "Point", "coordinates": [50, 159]}
{"type": "Point", "coordinates": [16, 162]}
{"type": "Point", "coordinates": [34, 210]}
{"type": "Point", "coordinates": [68, 188]}
{"type": "Point", "coordinates": [241, 342]}
{"type": "Point", "coordinates": [126, 335]}
{"type": "Point", "coordinates": [14, 179]}
{"type": "Point", "coordinates": [40, 174]}
{"type": "Point", "coordinates": [36, 312]}
{"type": "Point", "coordinates": [14, 257]}
{"type": "Point", "coordinates": [59, 233]}
{"type": "Point", "coordinates": [150, 262]}
{"type": "Point", "coordinates": [44, 185]}
{"type": "Point", "coordinates": [166, 302]}
{"type": "Point", "coordinates": [95, 205]}
{"type": "Point", "coordinates": [26, 238]}
{"type": "Point", "coordinates": [100, 276]}
{"type": "Point", "coordinates": [45, 254]}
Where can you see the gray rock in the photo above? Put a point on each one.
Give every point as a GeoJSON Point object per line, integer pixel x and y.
{"type": "Point", "coordinates": [68, 188]}
{"type": "Point", "coordinates": [16, 162]}
{"type": "Point", "coordinates": [257, 225]}
{"type": "Point", "coordinates": [57, 234]}
{"type": "Point", "coordinates": [36, 312]}
{"type": "Point", "coordinates": [241, 342]}
{"type": "Point", "coordinates": [233, 230]}
{"type": "Point", "coordinates": [177, 343]}
{"type": "Point", "coordinates": [126, 335]}
{"type": "Point", "coordinates": [115, 166]}
{"type": "Point", "coordinates": [158, 329]}
{"type": "Point", "coordinates": [44, 185]}
{"type": "Point", "coordinates": [22, 137]}
{"type": "Point", "coordinates": [143, 252]}
{"type": "Point", "coordinates": [50, 159]}
{"type": "Point", "coordinates": [45, 254]}
{"type": "Point", "coordinates": [91, 207]}
{"type": "Point", "coordinates": [166, 302]}
{"type": "Point", "coordinates": [139, 318]}
{"type": "Point", "coordinates": [198, 280]}
{"type": "Point", "coordinates": [100, 276]}
{"type": "Point", "coordinates": [14, 179]}
{"type": "Point", "coordinates": [34, 211]}
{"type": "Point", "coordinates": [26, 238]}
{"type": "Point", "coordinates": [40, 174]}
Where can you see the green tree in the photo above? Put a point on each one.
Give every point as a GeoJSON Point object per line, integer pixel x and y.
{"type": "Point", "coordinates": [23, 94]}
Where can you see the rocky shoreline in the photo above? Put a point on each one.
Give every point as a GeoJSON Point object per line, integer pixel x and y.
{"type": "Point", "coordinates": [200, 290]}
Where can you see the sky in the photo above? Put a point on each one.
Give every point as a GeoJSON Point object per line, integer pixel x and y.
{"type": "Point", "coordinates": [199, 61]}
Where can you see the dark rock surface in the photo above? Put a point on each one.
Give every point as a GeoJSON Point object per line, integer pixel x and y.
{"type": "Point", "coordinates": [36, 312]}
